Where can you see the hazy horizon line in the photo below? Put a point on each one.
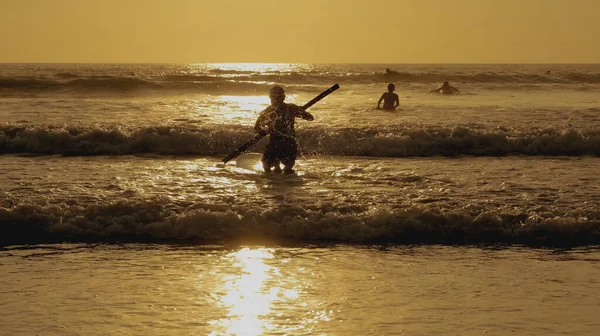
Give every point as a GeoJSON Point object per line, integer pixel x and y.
{"type": "Point", "coordinates": [325, 63]}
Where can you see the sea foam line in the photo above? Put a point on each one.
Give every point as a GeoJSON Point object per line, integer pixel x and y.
{"type": "Point", "coordinates": [158, 220]}
{"type": "Point", "coordinates": [396, 141]}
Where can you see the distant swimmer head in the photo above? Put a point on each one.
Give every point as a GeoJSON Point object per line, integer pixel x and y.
{"type": "Point", "coordinates": [446, 83]}
{"type": "Point", "coordinates": [276, 91]}
{"type": "Point", "coordinates": [391, 87]}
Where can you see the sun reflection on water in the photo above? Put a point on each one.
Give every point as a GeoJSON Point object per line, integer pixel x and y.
{"type": "Point", "coordinates": [242, 107]}
{"type": "Point", "coordinates": [248, 296]}
{"type": "Point", "coordinates": [256, 67]}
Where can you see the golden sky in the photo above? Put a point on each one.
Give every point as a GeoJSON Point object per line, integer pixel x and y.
{"type": "Point", "coordinates": [305, 31]}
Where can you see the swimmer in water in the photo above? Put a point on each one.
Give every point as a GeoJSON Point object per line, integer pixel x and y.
{"type": "Point", "coordinates": [446, 88]}
{"type": "Point", "coordinates": [390, 99]}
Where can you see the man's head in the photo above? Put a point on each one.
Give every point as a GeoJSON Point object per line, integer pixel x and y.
{"type": "Point", "coordinates": [446, 83]}
{"type": "Point", "coordinates": [391, 87]}
{"type": "Point", "coordinates": [277, 95]}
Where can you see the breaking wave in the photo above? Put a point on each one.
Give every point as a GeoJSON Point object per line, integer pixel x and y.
{"type": "Point", "coordinates": [160, 220]}
{"type": "Point", "coordinates": [244, 81]}
{"type": "Point", "coordinates": [392, 141]}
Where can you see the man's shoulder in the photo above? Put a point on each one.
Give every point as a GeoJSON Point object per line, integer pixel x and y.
{"type": "Point", "coordinates": [266, 111]}
{"type": "Point", "coordinates": [293, 107]}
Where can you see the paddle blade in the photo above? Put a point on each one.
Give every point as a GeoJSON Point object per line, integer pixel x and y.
{"type": "Point", "coordinates": [243, 147]}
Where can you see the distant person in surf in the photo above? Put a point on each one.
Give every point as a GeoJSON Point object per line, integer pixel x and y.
{"type": "Point", "coordinates": [391, 72]}
{"type": "Point", "coordinates": [278, 120]}
{"type": "Point", "coordinates": [390, 99]}
{"type": "Point", "coordinates": [445, 88]}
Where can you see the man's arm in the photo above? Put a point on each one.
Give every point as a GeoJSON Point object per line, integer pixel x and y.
{"type": "Point", "coordinates": [380, 100]}
{"type": "Point", "coordinates": [396, 101]}
{"type": "Point", "coordinates": [263, 121]}
{"type": "Point", "coordinates": [301, 113]}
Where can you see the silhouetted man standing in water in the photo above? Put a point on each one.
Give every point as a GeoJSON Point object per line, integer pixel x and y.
{"type": "Point", "coordinates": [278, 119]}
{"type": "Point", "coordinates": [390, 99]}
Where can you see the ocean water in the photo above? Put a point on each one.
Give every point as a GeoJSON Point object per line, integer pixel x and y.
{"type": "Point", "coordinates": [464, 214]}
{"type": "Point", "coordinates": [309, 290]}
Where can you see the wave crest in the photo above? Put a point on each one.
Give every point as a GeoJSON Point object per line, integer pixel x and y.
{"type": "Point", "coordinates": [407, 141]}
{"type": "Point", "coordinates": [153, 221]}
{"type": "Point", "coordinates": [242, 81]}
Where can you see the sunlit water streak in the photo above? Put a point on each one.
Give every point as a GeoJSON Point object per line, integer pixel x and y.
{"type": "Point", "coordinates": [337, 290]}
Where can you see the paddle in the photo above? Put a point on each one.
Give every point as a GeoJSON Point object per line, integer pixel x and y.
{"type": "Point", "coordinates": [260, 135]}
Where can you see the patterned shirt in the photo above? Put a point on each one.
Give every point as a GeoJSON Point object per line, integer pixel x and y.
{"type": "Point", "coordinates": [279, 120]}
